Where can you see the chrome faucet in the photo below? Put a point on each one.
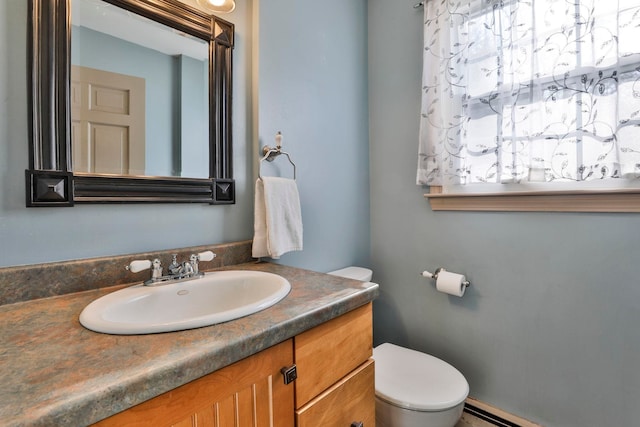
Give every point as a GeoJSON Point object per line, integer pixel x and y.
{"type": "Point", "coordinates": [177, 272]}
{"type": "Point", "coordinates": [174, 268]}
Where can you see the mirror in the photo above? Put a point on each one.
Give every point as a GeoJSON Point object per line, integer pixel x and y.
{"type": "Point", "coordinates": [131, 110]}
{"type": "Point", "coordinates": [138, 95]}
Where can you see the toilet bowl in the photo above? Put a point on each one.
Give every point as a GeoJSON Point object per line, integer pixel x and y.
{"type": "Point", "coordinates": [413, 389]}
{"type": "Point", "coordinates": [416, 389]}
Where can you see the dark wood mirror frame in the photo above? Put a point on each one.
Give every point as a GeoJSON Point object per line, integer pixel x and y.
{"type": "Point", "coordinates": [50, 180]}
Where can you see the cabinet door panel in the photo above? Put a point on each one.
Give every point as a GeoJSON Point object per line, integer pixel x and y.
{"type": "Point", "coordinates": [263, 407]}
{"type": "Point", "coordinates": [350, 400]}
{"type": "Point", "coordinates": [244, 405]}
{"type": "Point", "coordinates": [204, 417]}
{"type": "Point", "coordinates": [187, 422]}
{"type": "Point", "coordinates": [226, 413]}
{"type": "Point", "coordinates": [226, 398]}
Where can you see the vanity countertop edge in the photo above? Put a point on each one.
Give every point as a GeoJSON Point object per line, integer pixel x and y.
{"type": "Point", "coordinates": [56, 372]}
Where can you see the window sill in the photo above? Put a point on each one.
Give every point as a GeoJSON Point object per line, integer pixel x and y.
{"type": "Point", "coordinates": [623, 200]}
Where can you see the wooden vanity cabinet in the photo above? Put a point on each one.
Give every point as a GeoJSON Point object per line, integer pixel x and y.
{"type": "Point", "coordinates": [248, 393]}
{"type": "Point", "coordinates": [335, 385]}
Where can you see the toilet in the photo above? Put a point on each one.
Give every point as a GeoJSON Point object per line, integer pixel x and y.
{"type": "Point", "coordinates": [413, 389]}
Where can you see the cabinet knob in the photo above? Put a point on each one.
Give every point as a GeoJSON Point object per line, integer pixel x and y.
{"type": "Point", "coordinates": [357, 424]}
{"type": "Point", "coordinates": [290, 374]}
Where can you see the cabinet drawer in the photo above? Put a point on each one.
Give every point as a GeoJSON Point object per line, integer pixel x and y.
{"type": "Point", "coordinates": [351, 400]}
{"type": "Point", "coordinates": [326, 353]}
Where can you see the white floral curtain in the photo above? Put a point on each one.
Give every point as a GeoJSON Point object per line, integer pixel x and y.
{"type": "Point", "coordinates": [530, 90]}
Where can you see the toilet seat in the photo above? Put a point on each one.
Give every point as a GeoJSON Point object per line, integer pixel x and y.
{"type": "Point", "coordinates": [417, 381]}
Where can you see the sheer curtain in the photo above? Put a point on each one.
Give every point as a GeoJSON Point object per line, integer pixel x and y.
{"type": "Point", "coordinates": [530, 91]}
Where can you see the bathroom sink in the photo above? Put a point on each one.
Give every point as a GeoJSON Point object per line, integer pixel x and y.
{"type": "Point", "coordinates": [214, 298]}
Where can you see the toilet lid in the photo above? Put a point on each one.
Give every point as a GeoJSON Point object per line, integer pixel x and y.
{"type": "Point", "coordinates": [417, 381]}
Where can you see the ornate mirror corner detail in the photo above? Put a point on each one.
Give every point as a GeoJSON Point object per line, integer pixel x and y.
{"type": "Point", "coordinates": [223, 32]}
{"type": "Point", "coordinates": [49, 188]}
{"type": "Point", "coordinates": [224, 191]}
{"type": "Point", "coordinates": [50, 180]}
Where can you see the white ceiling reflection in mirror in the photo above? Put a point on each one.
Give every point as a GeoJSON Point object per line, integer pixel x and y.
{"type": "Point", "coordinates": [123, 24]}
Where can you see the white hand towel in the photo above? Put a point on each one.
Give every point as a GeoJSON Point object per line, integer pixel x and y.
{"type": "Point", "coordinates": [278, 219]}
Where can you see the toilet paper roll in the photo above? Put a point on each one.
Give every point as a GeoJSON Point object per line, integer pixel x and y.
{"type": "Point", "coordinates": [451, 283]}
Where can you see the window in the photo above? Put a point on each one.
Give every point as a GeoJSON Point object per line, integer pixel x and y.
{"type": "Point", "coordinates": [530, 97]}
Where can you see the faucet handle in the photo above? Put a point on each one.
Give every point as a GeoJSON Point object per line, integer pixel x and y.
{"type": "Point", "coordinates": [202, 256]}
{"type": "Point", "coordinates": [138, 265]}
{"type": "Point", "coordinates": [206, 256]}
{"type": "Point", "coordinates": [156, 272]}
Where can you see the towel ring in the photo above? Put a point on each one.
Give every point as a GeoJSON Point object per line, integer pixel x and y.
{"type": "Point", "coordinates": [270, 153]}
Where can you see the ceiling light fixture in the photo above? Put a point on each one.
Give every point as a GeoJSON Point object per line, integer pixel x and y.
{"type": "Point", "coordinates": [220, 6]}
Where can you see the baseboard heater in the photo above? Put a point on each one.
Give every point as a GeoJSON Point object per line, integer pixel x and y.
{"type": "Point", "coordinates": [488, 416]}
{"type": "Point", "coordinates": [495, 416]}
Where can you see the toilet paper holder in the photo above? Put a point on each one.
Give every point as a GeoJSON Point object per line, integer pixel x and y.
{"type": "Point", "coordinates": [434, 276]}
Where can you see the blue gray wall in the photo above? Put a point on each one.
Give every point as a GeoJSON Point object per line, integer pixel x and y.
{"type": "Point", "coordinates": [193, 116]}
{"type": "Point", "coordinates": [549, 329]}
{"type": "Point", "coordinates": [313, 88]}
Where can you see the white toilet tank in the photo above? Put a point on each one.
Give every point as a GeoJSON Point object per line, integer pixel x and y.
{"type": "Point", "coordinates": [357, 273]}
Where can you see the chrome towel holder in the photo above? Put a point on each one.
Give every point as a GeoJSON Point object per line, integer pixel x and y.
{"type": "Point", "coordinates": [270, 153]}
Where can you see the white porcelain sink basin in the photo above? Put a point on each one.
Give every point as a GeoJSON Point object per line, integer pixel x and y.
{"type": "Point", "coordinates": [217, 297]}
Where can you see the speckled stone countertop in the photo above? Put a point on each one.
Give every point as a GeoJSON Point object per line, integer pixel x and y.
{"type": "Point", "coordinates": [57, 373]}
